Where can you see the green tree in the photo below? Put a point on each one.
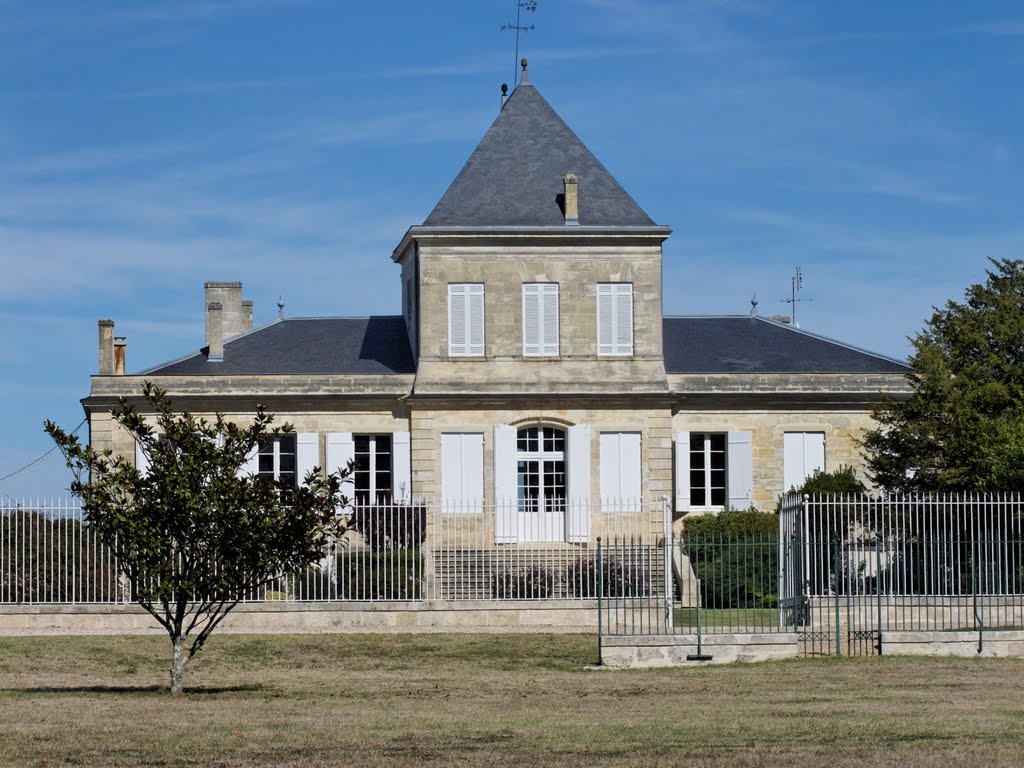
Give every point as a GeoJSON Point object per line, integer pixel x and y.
{"type": "Point", "coordinates": [195, 534]}
{"type": "Point", "coordinates": [962, 428]}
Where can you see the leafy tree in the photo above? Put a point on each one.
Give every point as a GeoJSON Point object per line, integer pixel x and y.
{"type": "Point", "coordinates": [195, 534]}
{"type": "Point", "coordinates": [963, 426]}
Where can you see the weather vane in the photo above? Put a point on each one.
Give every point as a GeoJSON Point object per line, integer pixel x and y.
{"type": "Point", "coordinates": [521, 5]}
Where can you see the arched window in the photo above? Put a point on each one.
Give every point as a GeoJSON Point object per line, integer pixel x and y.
{"type": "Point", "coordinates": [540, 459]}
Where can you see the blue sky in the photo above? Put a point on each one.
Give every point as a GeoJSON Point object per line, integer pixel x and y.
{"type": "Point", "coordinates": [148, 146]}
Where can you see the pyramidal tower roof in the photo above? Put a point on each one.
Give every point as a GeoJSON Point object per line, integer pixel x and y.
{"type": "Point", "coordinates": [515, 176]}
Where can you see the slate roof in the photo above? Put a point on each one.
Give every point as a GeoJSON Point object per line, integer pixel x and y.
{"type": "Point", "coordinates": [745, 344]}
{"type": "Point", "coordinates": [515, 176]}
{"type": "Point", "coordinates": [306, 345]}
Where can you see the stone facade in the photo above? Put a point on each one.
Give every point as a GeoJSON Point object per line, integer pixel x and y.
{"type": "Point", "coordinates": [532, 206]}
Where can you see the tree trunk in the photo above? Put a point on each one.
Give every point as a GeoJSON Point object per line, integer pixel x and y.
{"type": "Point", "coordinates": [179, 657]}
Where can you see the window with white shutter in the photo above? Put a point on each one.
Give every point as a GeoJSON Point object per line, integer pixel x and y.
{"type": "Point", "coordinates": [614, 318]}
{"type": "Point", "coordinates": [540, 319]}
{"type": "Point", "coordinates": [803, 456]}
{"type": "Point", "coordinates": [620, 471]}
{"type": "Point", "coordinates": [462, 471]}
{"type": "Point", "coordinates": [466, 319]}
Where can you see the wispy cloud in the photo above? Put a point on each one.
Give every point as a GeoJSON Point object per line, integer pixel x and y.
{"type": "Point", "coordinates": [999, 28]}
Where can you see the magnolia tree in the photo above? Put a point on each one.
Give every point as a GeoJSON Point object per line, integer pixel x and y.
{"type": "Point", "coordinates": [195, 533]}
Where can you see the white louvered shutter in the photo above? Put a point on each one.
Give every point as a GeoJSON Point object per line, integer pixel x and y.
{"type": "Point", "coordinates": [623, 319]}
{"type": "Point", "coordinates": [540, 319]}
{"type": "Point", "coordinates": [506, 492]}
{"type": "Point", "coordinates": [549, 319]}
{"type": "Point", "coordinates": [457, 342]}
{"type": "Point", "coordinates": [307, 454]}
{"type": "Point", "coordinates": [475, 325]}
{"type": "Point", "coordinates": [401, 468]}
{"type": "Point", "coordinates": [141, 459]}
{"type": "Point", "coordinates": [740, 470]}
{"type": "Point", "coordinates": [531, 319]}
{"type": "Point", "coordinates": [578, 522]}
{"type": "Point", "coordinates": [605, 320]}
{"type": "Point", "coordinates": [682, 471]}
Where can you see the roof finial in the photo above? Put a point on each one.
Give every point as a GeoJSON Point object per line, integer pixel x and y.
{"type": "Point", "coordinates": [280, 308]}
{"type": "Point", "coordinates": [524, 79]}
{"type": "Point", "coordinates": [504, 93]}
{"type": "Point", "coordinates": [753, 306]}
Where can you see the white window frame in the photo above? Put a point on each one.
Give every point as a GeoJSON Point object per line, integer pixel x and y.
{"type": "Point", "coordinates": [611, 341]}
{"type": "Point", "coordinates": [375, 493]}
{"type": "Point", "coordinates": [472, 296]}
{"type": "Point", "coordinates": [275, 452]}
{"type": "Point", "coordinates": [707, 471]}
{"type": "Point", "coordinates": [547, 320]}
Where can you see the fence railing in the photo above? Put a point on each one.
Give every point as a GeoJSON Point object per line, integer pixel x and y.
{"type": "Point", "coordinates": [422, 551]}
{"type": "Point", "coordinates": [719, 584]}
{"type": "Point", "coordinates": [868, 564]}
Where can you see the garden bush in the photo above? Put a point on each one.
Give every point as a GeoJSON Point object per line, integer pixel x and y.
{"type": "Point", "coordinates": [735, 556]}
{"type": "Point", "coordinates": [620, 578]}
{"type": "Point", "coordinates": [535, 581]}
{"type": "Point", "coordinates": [390, 574]}
{"type": "Point", "coordinates": [391, 526]}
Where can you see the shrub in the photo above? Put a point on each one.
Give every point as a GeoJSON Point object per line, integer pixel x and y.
{"type": "Point", "coordinates": [619, 578]}
{"type": "Point", "coordinates": [392, 574]}
{"type": "Point", "coordinates": [535, 581]}
{"type": "Point", "coordinates": [391, 526]}
{"type": "Point", "coordinates": [51, 559]}
{"type": "Point", "coordinates": [735, 557]}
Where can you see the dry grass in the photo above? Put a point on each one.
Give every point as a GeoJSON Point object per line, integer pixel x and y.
{"type": "Point", "coordinates": [386, 700]}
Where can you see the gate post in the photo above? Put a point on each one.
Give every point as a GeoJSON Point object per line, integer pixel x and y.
{"type": "Point", "coordinates": [600, 596]}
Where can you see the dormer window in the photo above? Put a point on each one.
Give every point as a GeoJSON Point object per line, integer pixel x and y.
{"type": "Point", "coordinates": [466, 320]}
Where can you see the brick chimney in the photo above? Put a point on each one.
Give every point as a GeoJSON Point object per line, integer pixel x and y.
{"type": "Point", "coordinates": [106, 329]}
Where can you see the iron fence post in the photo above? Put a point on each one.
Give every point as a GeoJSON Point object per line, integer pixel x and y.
{"type": "Point", "coordinates": [600, 600]}
{"type": "Point", "coordinates": [667, 543]}
{"type": "Point", "coordinates": [835, 588]}
{"type": "Point", "coordinates": [878, 585]}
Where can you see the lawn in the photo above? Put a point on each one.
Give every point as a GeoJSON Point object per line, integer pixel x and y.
{"type": "Point", "coordinates": [490, 700]}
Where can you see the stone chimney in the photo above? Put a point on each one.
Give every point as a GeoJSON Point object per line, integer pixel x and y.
{"type": "Point", "coordinates": [120, 343]}
{"type": "Point", "coordinates": [234, 315]}
{"type": "Point", "coordinates": [214, 332]}
{"type": "Point", "coordinates": [572, 199]}
{"type": "Point", "coordinates": [106, 328]}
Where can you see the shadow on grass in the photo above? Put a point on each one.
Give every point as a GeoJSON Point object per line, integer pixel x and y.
{"type": "Point", "coordinates": [132, 690]}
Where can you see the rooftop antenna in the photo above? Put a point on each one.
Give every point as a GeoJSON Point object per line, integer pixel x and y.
{"type": "Point", "coordinates": [521, 5]}
{"type": "Point", "coordinates": [796, 283]}
{"type": "Point", "coordinates": [280, 308]}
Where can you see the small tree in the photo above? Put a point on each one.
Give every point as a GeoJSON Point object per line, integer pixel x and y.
{"type": "Point", "coordinates": [195, 534]}
{"type": "Point", "coordinates": [962, 427]}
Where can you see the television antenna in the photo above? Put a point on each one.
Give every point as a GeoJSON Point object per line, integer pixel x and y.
{"type": "Point", "coordinates": [521, 5]}
{"type": "Point", "coordinates": [796, 283]}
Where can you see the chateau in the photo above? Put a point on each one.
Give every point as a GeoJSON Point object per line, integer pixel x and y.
{"type": "Point", "coordinates": [532, 377]}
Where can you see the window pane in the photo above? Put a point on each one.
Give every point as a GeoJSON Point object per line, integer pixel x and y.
{"type": "Point", "coordinates": [697, 460]}
{"type": "Point", "coordinates": [717, 441]}
{"type": "Point", "coordinates": [698, 497]}
{"type": "Point", "coordinates": [718, 497]}
{"type": "Point", "coordinates": [266, 464]}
